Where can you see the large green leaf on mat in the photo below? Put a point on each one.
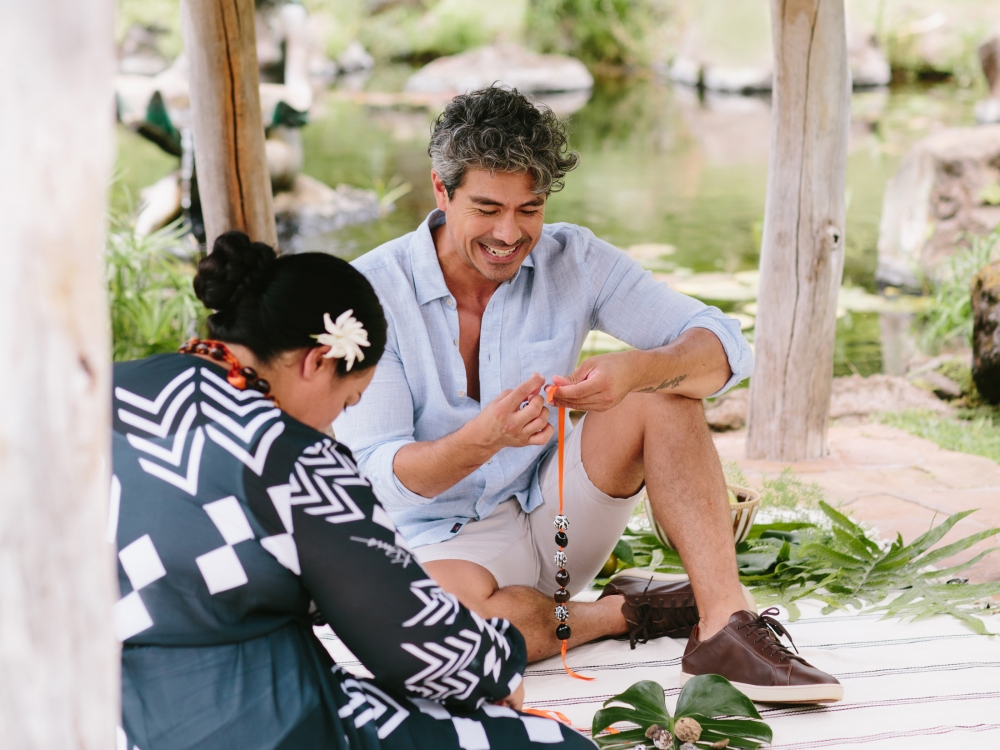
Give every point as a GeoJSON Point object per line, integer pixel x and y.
{"type": "Point", "coordinates": [722, 711]}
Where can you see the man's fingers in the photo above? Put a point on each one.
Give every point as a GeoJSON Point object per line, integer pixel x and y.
{"type": "Point", "coordinates": [541, 438]}
{"type": "Point", "coordinates": [578, 391]}
{"type": "Point", "coordinates": [527, 389]}
{"type": "Point", "coordinates": [536, 425]}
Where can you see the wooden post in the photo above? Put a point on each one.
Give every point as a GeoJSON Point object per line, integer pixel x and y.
{"type": "Point", "coordinates": [802, 255]}
{"type": "Point", "coordinates": [59, 660]}
{"type": "Point", "coordinates": [233, 181]}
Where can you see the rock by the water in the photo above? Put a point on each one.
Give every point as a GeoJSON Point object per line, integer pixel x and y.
{"type": "Point", "coordinates": [934, 200]}
{"type": "Point", "coordinates": [311, 208]}
{"type": "Point", "coordinates": [988, 110]}
{"type": "Point", "coordinates": [727, 47]}
{"type": "Point", "coordinates": [355, 58]}
{"type": "Point", "coordinates": [986, 333]}
{"type": "Point", "coordinates": [139, 53]}
{"type": "Point", "coordinates": [528, 72]}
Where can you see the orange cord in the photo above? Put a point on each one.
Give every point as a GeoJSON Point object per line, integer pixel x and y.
{"type": "Point", "coordinates": [554, 715]}
{"type": "Point", "coordinates": [561, 455]}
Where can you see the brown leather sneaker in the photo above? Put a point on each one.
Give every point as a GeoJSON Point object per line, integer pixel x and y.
{"type": "Point", "coordinates": [747, 652]}
{"type": "Point", "coordinates": [655, 604]}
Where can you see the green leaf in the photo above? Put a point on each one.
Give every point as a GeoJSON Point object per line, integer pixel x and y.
{"type": "Point", "coordinates": [625, 739]}
{"type": "Point", "coordinates": [927, 540]}
{"type": "Point", "coordinates": [645, 706]}
{"type": "Point", "coordinates": [713, 695]}
{"type": "Point", "coordinates": [750, 728]}
{"type": "Point", "coordinates": [623, 551]}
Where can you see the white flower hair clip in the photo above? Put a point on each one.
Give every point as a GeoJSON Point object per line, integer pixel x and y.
{"type": "Point", "coordinates": [345, 338]}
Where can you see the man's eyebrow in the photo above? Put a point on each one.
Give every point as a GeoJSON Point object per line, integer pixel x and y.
{"type": "Point", "coordinates": [483, 201]}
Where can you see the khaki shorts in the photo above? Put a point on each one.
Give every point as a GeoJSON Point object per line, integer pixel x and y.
{"type": "Point", "coordinates": [518, 547]}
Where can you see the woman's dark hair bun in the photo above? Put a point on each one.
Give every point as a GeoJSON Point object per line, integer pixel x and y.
{"type": "Point", "coordinates": [235, 268]}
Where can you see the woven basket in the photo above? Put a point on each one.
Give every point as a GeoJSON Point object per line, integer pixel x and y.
{"type": "Point", "coordinates": [744, 511]}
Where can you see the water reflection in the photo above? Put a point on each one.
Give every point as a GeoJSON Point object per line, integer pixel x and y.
{"type": "Point", "coordinates": [659, 166]}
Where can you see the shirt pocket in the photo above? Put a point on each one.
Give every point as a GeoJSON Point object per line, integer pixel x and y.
{"type": "Point", "coordinates": [556, 356]}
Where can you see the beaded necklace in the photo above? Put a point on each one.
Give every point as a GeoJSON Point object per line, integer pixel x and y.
{"type": "Point", "coordinates": [238, 376]}
{"type": "Point", "coordinates": [561, 523]}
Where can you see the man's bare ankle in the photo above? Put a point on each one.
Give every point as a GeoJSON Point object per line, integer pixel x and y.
{"type": "Point", "coordinates": [711, 623]}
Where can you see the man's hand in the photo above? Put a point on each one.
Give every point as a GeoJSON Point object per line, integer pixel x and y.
{"type": "Point", "coordinates": [503, 423]}
{"type": "Point", "coordinates": [598, 384]}
{"type": "Point", "coordinates": [515, 700]}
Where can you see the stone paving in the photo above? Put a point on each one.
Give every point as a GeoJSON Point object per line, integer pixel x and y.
{"type": "Point", "coordinates": [897, 482]}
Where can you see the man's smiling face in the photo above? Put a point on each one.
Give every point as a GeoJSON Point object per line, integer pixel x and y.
{"type": "Point", "coordinates": [494, 220]}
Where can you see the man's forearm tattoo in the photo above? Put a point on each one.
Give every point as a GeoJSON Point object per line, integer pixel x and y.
{"type": "Point", "coordinates": [665, 385]}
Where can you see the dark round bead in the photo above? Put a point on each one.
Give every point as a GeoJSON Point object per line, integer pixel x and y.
{"type": "Point", "coordinates": [563, 632]}
{"type": "Point", "coordinates": [561, 596]}
{"type": "Point", "coordinates": [201, 348]}
{"type": "Point", "coordinates": [249, 373]}
{"type": "Point", "coordinates": [216, 352]}
{"type": "Point", "coordinates": [562, 577]}
{"type": "Point", "coordinates": [561, 539]}
{"type": "Point", "coordinates": [261, 385]}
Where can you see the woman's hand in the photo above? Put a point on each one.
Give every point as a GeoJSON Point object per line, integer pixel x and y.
{"type": "Point", "coordinates": [515, 700]}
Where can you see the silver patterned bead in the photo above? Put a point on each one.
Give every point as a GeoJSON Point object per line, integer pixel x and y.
{"type": "Point", "coordinates": [559, 559]}
{"type": "Point", "coordinates": [561, 523]}
{"type": "Point", "coordinates": [562, 612]}
{"type": "Point", "coordinates": [688, 746]}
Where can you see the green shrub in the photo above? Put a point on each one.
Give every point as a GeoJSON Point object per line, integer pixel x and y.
{"type": "Point", "coordinates": [599, 32]}
{"type": "Point", "coordinates": [153, 305]}
{"type": "Point", "coordinates": [949, 317]}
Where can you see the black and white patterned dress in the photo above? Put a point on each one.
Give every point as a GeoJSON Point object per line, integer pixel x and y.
{"type": "Point", "coordinates": [235, 524]}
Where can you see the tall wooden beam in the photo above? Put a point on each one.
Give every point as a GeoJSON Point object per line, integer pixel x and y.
{"type": "Point", "coordinates": [233, 181]}
{"type": "Point", "coordinates": [802, 255]}
{"type": "Point", "coordinates": [59, 660]}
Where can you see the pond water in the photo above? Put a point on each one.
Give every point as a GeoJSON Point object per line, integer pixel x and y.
{"type": "Point", "coordinates": [658, 165]}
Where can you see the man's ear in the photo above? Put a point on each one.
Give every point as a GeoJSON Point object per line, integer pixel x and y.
{"type": "Point", "coordinates": [440, 191]}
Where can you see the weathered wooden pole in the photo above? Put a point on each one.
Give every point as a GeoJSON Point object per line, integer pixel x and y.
{"type": "Point", "coordinates": [233, 181]}
{"type": "Point", "coordinates": [59, 660]}
{"type": "Point", "coordinates": [802, 255]}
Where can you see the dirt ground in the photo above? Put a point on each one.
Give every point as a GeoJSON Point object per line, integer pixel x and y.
{"type": "Point", "coordinates": [896, 482]}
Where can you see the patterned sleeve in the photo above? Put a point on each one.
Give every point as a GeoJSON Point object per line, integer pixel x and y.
{"type": "Point", "coordinates": [413, 636]}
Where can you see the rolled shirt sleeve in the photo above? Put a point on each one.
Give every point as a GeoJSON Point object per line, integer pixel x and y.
{"type": "Point", "coordinates": [645, 313]}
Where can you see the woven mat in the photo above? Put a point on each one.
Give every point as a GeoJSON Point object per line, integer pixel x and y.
{"type": "Point", "coordinates": [912, 685]}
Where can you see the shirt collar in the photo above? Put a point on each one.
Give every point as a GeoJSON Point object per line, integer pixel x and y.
{"type": "Point", "coordinates": [428, 280]}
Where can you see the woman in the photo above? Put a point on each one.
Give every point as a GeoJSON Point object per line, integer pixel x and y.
{"type": "Point", "coordinates": [239, 523]}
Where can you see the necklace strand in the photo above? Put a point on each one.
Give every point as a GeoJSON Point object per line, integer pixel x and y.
{"type": "Point", "coordinates": [243, 378]}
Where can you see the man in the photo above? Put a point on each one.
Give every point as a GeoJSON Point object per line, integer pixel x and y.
{"type": "Point", "coordinates": [485, 305]}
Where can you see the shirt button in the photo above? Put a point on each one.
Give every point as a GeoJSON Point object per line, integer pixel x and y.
{"type": "Point", "coordinates": [461, 394]}
{"type": "Point", "coordinates": [451, 302]}
{"type": "Point", "coordinates": [456, 342]}
{"type": "Point", "coordinates": [489, 461]}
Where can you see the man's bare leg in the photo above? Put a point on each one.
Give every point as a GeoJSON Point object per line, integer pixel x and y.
{"type": "Point", "coordinates": [665, 440]}
{"type": "Point", "coordinates": [529, 610]}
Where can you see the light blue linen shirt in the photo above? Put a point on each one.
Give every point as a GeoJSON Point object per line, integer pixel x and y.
{"type": "Point", "coordinates": [571, 283]}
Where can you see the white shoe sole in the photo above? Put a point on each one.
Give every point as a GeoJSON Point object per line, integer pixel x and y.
{"type": "Point", "coordinates": [675, 578]}
{"type": "Point", "coordinates": [785, 693]}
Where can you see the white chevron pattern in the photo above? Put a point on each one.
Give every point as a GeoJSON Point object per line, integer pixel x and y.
{"type": "Point", "coordinates": [446, 675]}
{"type": "Point", "coordinates": [187, 481]}
{"type": "Point", "coordinates": [368, 703]}
{"type": "Point", "coordinates": [318, 479]}
{"type": "Point", "coordinates": [438, 604]}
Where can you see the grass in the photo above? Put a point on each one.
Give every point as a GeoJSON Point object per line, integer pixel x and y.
{"type": "Point", "coordinates": [974, 431]}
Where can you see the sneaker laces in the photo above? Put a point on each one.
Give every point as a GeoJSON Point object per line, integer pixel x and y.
{"type": "Point", "coordinates": [769, 630]}
{"type": "Point", "coordinates": [647, 624]}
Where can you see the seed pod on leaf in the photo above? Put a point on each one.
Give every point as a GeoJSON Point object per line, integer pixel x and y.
{"type": "Point", "coordinates": [687, 729]}
{"type": "Point", "coordinates": [662, 740]}
{"type": "Point", "coordinates": [688, 746]}
{"type": "Point", "coordinates": [723, 743]}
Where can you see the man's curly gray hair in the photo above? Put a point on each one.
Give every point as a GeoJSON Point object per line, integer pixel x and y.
{"type": "Point", "coordinates": [500, 130]}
